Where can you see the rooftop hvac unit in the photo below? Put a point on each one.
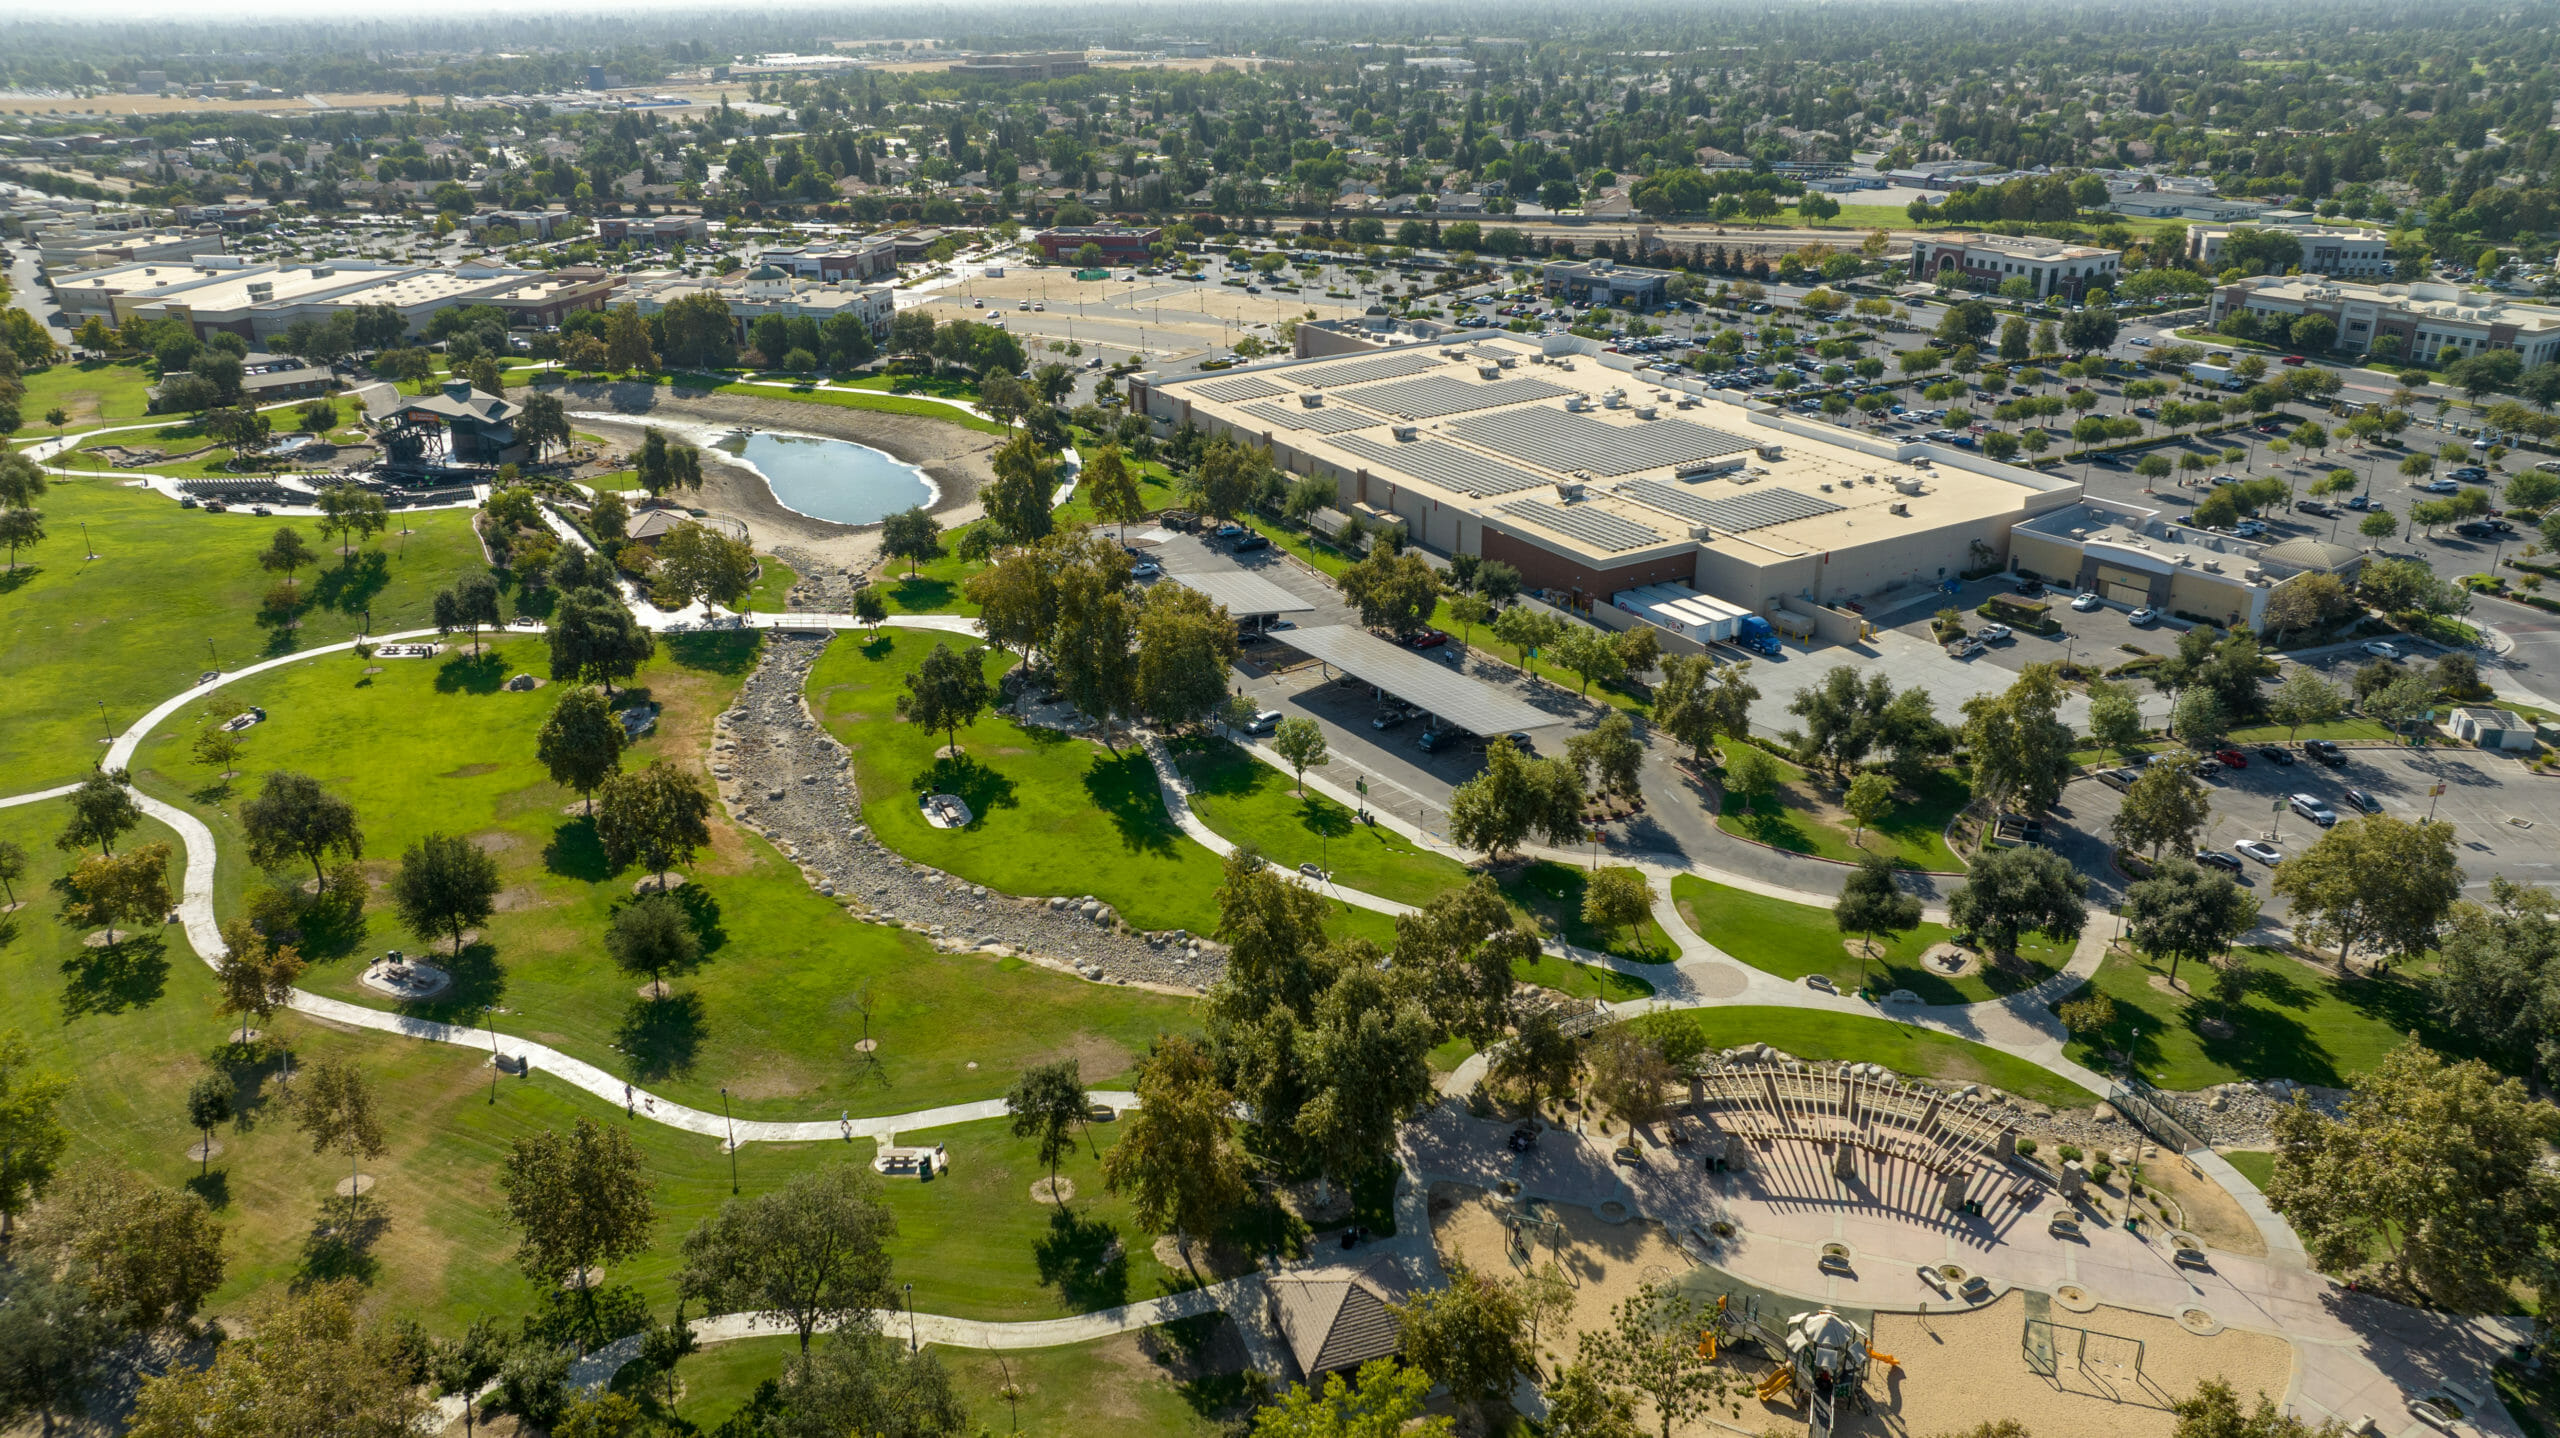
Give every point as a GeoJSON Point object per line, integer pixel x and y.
{"type": "Point", "coordinates": [1908, 483]}
{"type": "Point", "coordinates": [1404, 432]}
{"type": "Point", "coordinates": [2253, 574]}
{"type": "Point", "coordinates": [2082, 533]}
{"type": "Point", "coordinates": [2187, 560]}
{"type": "Point", "coordinates": [1614, 400]}
{"type": "Point", "coordinates": [1577, 403]}
{"type": "Point", "coordinates": [1647, 412]}
{"type": "Point", "coordinates": [1699, 532]}
{"type": "Point", "coordinates": [2213, 566]}
{"type": "Point", "coordinates": [1537, 359]}
{"type": "Point", "coordinates": [1773, 453]}
{"type": "Point", "coordinates": [1488, 371]}
{"type": "Point", "coordinates": [1312, 400]}
{"type": "Point", "coordinates": [1568, 491]}
{"type": "Point", "coordinates": [1688, 401]}
{"type": "Point", "coordinates": [1897, 507]}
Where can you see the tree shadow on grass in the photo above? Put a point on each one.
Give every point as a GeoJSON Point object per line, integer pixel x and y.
{"type": "Point", "coordinates": [576, 853]}
{"type": "Point", "coordinates": [213, 1186]}
{"type": "Point", "coordinates": [1124, 788]}
{"type": "Point", "coordinates": [702, 911]}
{"type": "Point", "coordinates": [982, 788]}
{"type": "Point", "coordinates": [340, 1244]}
{"type": "Point", "coordinates": [470, 673]}
{"type": "Point", "coordinates": [12, 580]}
{"type": "Point", "coordinates": [728, 653]}
{"type": "Point", "coordinates": [353, 583]}
{"type": "Point", "coordinates": [116, 978]}
{"type": "Point", "coordinates": [921, 595]}
{"type": "Point", "coordinates": [1205, 1360]}
{"type": "Point", "coordinates": [284, 632]}
{"type": "Point", "coordinates": [479, 982]}
{"type": "Point", "coordinates": [662, 1035]}
{"type": "Point", "coordinates": [1082, 1259]}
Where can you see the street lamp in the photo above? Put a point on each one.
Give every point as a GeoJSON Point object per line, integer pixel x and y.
{"type": "Point", "coordinates": [493, 1052]}
{"type": "Point", "coordinates": [911, 1320]}
{"type": "Point", "coordinates": [733, 1138]}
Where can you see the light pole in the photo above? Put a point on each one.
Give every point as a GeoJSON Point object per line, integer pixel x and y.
{"type": "Point", "coordinates": [733, 1139]}
{"type": "Point", "coordinates": [104, 727]}
{"type": "Point", "coordinates": [911, 1320]}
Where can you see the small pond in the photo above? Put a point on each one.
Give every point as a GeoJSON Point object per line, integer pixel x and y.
{"type": "Point", "coordinates": [831, 478]}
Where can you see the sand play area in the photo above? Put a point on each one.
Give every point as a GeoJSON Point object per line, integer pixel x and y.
{"type": "Point", "coordinates": [1957, 1369]}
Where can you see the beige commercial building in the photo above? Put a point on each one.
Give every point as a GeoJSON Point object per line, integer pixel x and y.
{"type": "Point", "coordinates": [1593, 477]}
{"type": "Point", "coordinates": [2420, 321]}
{"type": "Point", "coordinates": [2339, 251]}
{"type": "Point", "coordinates": [2132, 558]}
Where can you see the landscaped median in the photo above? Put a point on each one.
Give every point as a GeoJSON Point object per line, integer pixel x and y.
{"type": "Point", "coordinates": [1794, 941]}
{"type": "Point", "coordinates": [1802, 815]}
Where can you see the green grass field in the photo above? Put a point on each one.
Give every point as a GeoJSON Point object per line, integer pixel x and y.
{"type": "Point", "coordinates": [1803, 817]}
{"type": "Point", "coordinates": [1794, 940]}
{"type": "Point", "coordinates": [436, 745]}
{"type": "Point", "coordinates": [175, 592]}
{"type": "Point", "coordinates": [1250, 802]}
{"type": "Point", "coordinates": [843, 399]}
{"type": "Point", "coordinates": [2302, 1023]}
{"type": "Point", "coordinates": [1551, 894]}
{"type": "Point", "coordinates": [1160, 1381]}
{"type": "Point", "coordinates": [773, 586]}
{"type": "Point", "coordinates": [93, 393]}
{"type": "Point", "coordinates": [1811, 1034]}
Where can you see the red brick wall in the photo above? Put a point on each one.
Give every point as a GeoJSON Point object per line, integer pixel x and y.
{"type": "Point", "coordinates": [1544, 569]}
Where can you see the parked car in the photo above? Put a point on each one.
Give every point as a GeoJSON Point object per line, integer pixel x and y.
{"type": "Point", "coordinates": [2276, 754]}
{"type": "Point", "coordinates": [2266, 854]}
{"type": "Point", "coordinates": [1387, 719]}
{"type": "Point", "coordinates": [2118, 779]}
{"type": "Point", "coordinates": [2216, 859]}
{"type": "Point", "coordinates": [2325, 751]}
{"type": "Point", "coordinates": [1995, 633]}
{"type": "Point", "coordinates": [1145, 569]}
{"type": "Point", "coordinates": [1264, 722]}
{"type": "Point", "coordinates": [2233, 757]}
{"type": "Point", "coordinates": [2382, 649]}
{"type": "Point", "coordinates": [2030, 589]}
{"type": "Point", "coordinates": [2143, 614]}
{"type": "Point", "coordinates": [2312, 506]}
{"type": "Point", "coordinates": [2310, 807]}
{"type": "Point", "coordinates": [1431, 740]}
{"type": "Point", "coordinates": [1248, 543]}
{"type": "Point", "coordinates": [1964, 648]}
{"type": "Point", "coordinates": [1429, 639]}
{"type": "Point", "coordinates": [2085, 601]}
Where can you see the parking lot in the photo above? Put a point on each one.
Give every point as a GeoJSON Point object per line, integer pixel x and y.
{"type": "Point", "coordinates": [2484, 798]}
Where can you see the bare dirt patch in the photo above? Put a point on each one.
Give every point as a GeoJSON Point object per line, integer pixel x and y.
{"type": "Point", "coordinates": [2211, 1213]}
{"type": "Point", "coordinates": [1053, 1190]}
{"type": "Point", "coordinates": [1961, 1369]}
{"type": "Point", "coordinates": [469, 771]}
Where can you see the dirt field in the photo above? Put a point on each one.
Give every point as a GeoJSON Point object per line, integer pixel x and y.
{"type": "Point", "coordinates": [1956, 1369]}
{"type": "Point", "coordinates": [1961, 1369]}
{"type": "Point", "coordinates": [955, 458]}
{"type": "Point", "coordinates": [1208, 311]}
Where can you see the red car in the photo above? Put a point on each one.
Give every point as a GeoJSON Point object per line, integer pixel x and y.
{"type": "Point", "coordinates": [2233, 759]}
{"type": "Point", "coordinates": [1429, 639]}
{"type": "Point", "coordinates": [2293, 359]}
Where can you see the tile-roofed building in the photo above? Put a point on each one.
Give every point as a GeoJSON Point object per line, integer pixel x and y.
{"type": "Point", "coordinates": [1336, 1317]}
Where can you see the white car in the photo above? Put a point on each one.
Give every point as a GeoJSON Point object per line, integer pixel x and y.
{"type": "Point", "coordinates": [2248, 529]}
{"type": "Point", "coordinates": [1145, 569]}
{"type": "Point", "coordinates": [2310, 807]}
{"type": "Point", "coordinates": [2086, 602]}
{"type": "Point", "coordinates": [2144, 614]}
{"type": "Point", "coordinates": [2264, 853]}
{"type": "Point", "coordinates": [2383, 649]}
{"type": "Point", "coordinates": [1994, 633]}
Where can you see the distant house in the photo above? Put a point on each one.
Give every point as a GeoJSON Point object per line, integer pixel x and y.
{"type": "Point", "coordinates": [266, 378]}
{"type": "Point", "coordinates": [1335, 1318]}
{"type": "Point", "coordinates": [651, 525]}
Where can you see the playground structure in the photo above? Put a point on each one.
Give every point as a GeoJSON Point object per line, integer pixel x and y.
{"type": "Point", "coordinates": [1826, 1359]}
{"type": "Point", "coordinates": [1849, 1110]}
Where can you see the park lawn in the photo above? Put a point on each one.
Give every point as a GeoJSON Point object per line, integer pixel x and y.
{"type": "Point", "coordinates": [621, 481]}
{"type": "Point", "coordinates": [1321, 555]}
{"type": "Point", "coordinates": [935, 585]}
{"type": "Point", "coordinates": [1056, 814]}
{"type": "Point", "coordinates": [2256, 1165]}
{"type": "Point", "coordinates": [172, 593]}
{"type": "Point", "coordinates": [1155, 486]}
{"type": "Point", "coordinates": [1794, 940]}
{"type": "Point", "coordinates": [1803, 817]}
{"type": "Point", "coordinates": [1152, 1382]}
{"type": "Point", "coordinates": [2345, 731]}
{"type": "Point", "coordinates": [1550, 893]}
{"type": "Point", "coordinates": [92, 392]}
{"type": "Point", "coordinates": [1251, 802]}
{"type": "Point", "coordinates": [845, 399]}
{"type": "Point", "coordinates": [772, 1010]}
{"type": "Point", "coordinates": [2303, 1023]}
{"type": "Point", "coordinates": [772, 587]}
{"type": "Point", "coordinates": [1820, 1036]}
{"type": "Point", "coordinates": [133, 1030]}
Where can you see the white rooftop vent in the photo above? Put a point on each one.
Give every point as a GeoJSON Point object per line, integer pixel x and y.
{"type": "Point", "coordinates": [2187, 559]}
{"type": "Point", "coordinates": [1577, 403]}
{"type": "Point", "coordinates": [1908, 483]}
{"type": "Point", "coordinates": [2082, 533]}
{"type": "Point", "coordinates": [1688, 401]}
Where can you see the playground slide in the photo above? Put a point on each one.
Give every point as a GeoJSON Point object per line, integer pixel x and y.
{"type": "Point", "coordinates": [1780, 1379]}
{"type": "Point", "coordinates": [1884, 1358]}
{"type": "Point", "coordinates": [1819, 1424]}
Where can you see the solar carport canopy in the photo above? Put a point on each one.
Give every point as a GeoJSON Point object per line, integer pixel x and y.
{"type": "Point", "coordinates": [1243, 594]}
{"type": "Point", "coordinates": [1469, 704]}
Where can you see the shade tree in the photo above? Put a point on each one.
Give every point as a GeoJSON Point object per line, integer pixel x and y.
{"type": "Point", "coordinates": [444, 886]}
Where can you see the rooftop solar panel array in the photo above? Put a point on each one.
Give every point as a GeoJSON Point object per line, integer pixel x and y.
{"type": "Point", "coordinates": [1609, 531]}
{"type": "Point", "coordinates": [1385, 366]}
{"type": "Point", "coordinates": [1756, 510]}
{"type": "Point", "coordinates": [1445, 464]}
{"type": "Point", "coordinates": [1433, 395]}
{"type": "Point", "coordinates": [1228, 391]}
{"type": "Point", "coordinates": [1328, 420]}
{"type": "Point", "coordinates": [1563, 440]}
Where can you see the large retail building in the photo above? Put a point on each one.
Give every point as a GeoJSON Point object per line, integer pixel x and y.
{"type": "Point", "coordinates": [1593, 477]}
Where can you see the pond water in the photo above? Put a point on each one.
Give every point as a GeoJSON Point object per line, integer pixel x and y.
{"type": "Point", "coordinates": [831, 478]}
